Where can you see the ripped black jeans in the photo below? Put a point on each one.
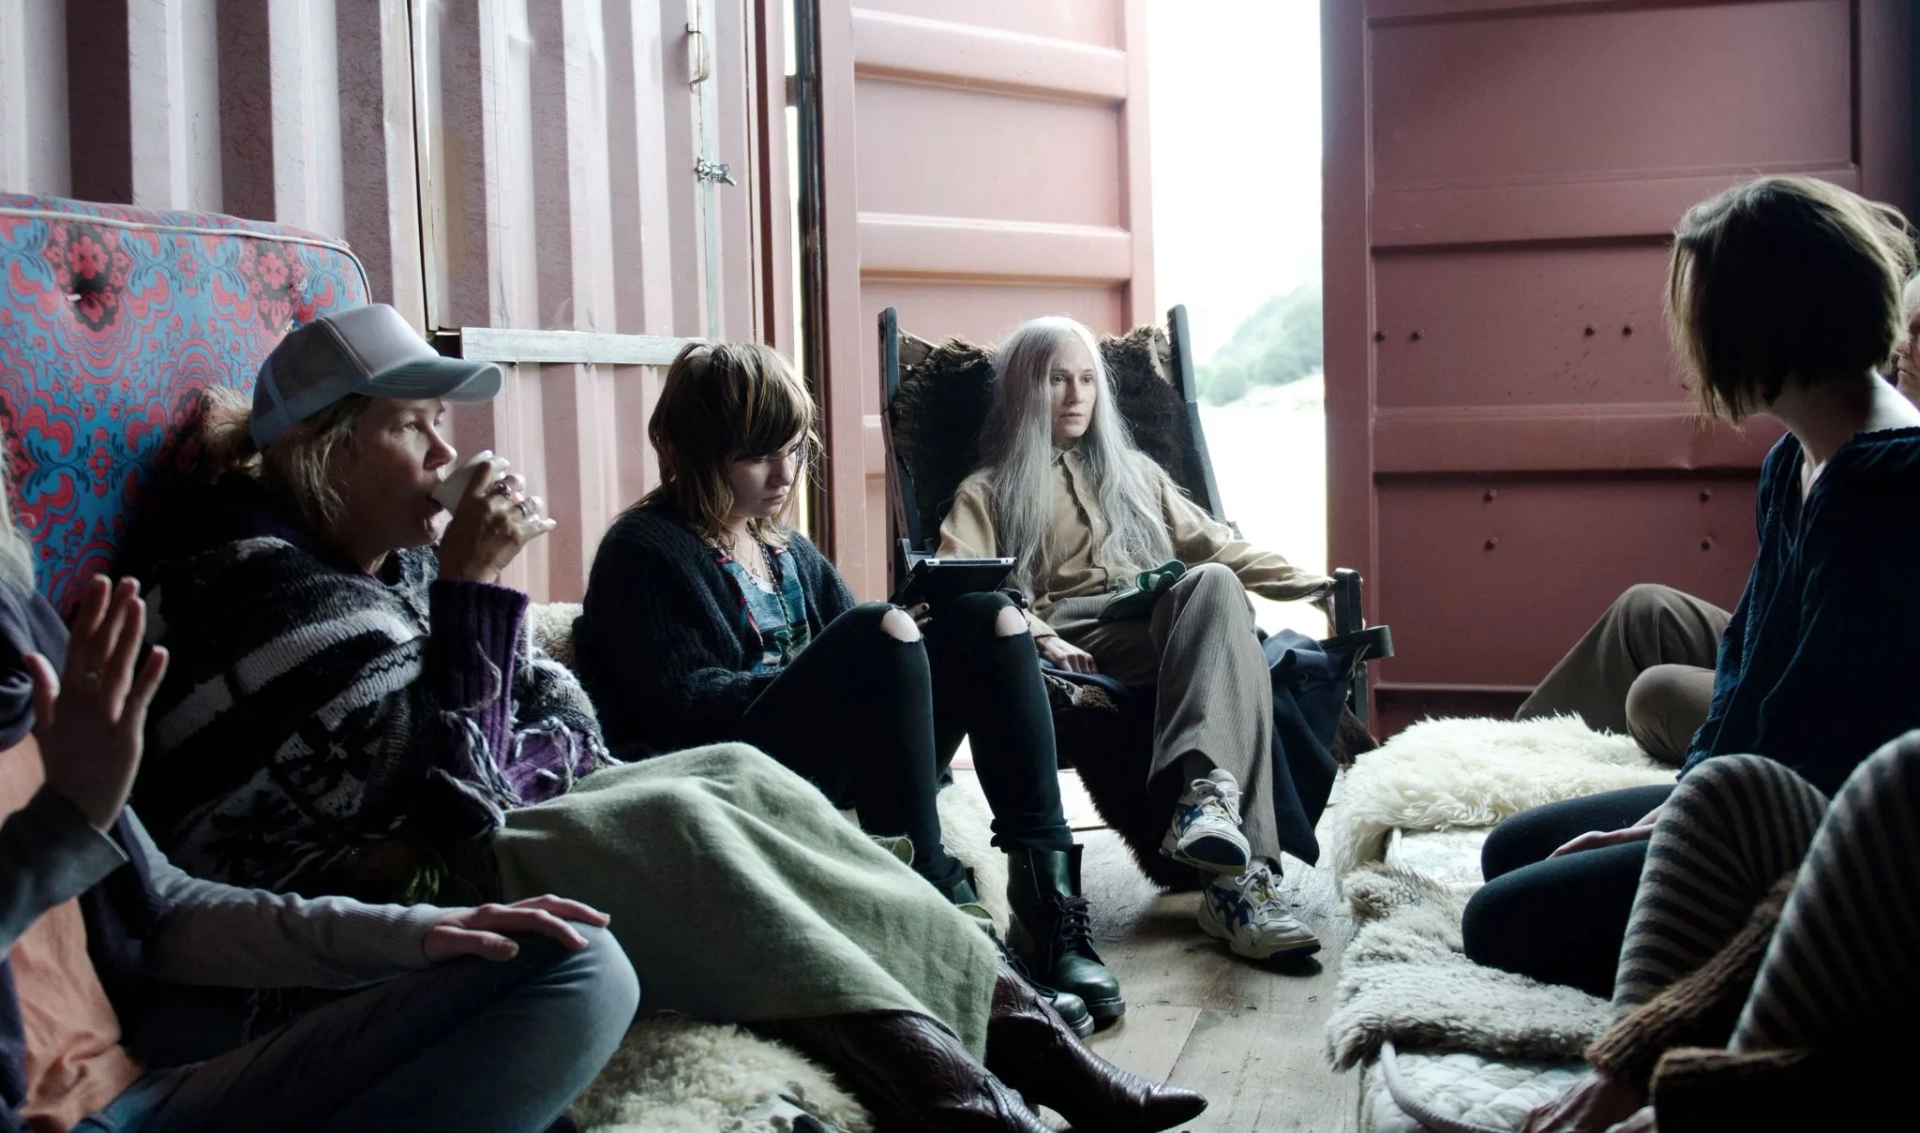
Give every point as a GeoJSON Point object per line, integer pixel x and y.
{"type": "Point", "coordinates": [874, 721]}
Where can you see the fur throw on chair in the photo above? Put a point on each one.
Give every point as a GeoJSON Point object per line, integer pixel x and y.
{"type": "Point", "coordinates": [936, 415]}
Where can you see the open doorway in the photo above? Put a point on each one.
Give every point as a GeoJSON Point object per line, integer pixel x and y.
{"type": "Point", "coordinates": [1235, 117]}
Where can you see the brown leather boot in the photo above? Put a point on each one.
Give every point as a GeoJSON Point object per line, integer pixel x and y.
{"type": "Point", "coordinates": [1030, 1049]}
{"type": "Point", "coordinates": [910, 1072]}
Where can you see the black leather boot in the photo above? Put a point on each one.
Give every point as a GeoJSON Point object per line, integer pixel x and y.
{"type": "Point", "coordinates": [911, 1072]}
{"type": "Point", "coordinates": [1029, 1049]}
{"type": "Point", "coordinates": [1053, 933]}
{"type": "Point", "coordinates": [1070, 1007]}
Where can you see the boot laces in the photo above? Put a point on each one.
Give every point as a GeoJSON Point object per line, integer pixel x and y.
{"type": "Point", "coordinates": [1072, 924]}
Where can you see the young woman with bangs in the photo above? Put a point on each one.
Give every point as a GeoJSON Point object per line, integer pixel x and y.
{"type": "Point", "coordinates": [1784, 299]}
{"type": "Point", "coordinates": [751, 635]}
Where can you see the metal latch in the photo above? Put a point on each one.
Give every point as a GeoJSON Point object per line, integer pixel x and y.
{"type": "Point", "coordinates": [714, 172]}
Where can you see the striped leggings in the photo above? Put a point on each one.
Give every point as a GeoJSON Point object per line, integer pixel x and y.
{"type": "Point", "coordinates": [1841, 959]}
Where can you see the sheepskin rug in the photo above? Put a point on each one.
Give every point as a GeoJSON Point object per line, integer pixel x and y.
{"type": "Point", "coordinates": [673, 1075]}
{"type": "Point", "coordinates": [1405, 979]}
{"type": "Point", "coordinates": [1445, 774]}
{"type": "Point", "coordinates": [1476, 1046]}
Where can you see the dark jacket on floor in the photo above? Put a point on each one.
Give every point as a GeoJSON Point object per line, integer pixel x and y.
{"type": "Point", "coordinates": [658, 645]}
{"type": "Point", "coordinates": [1818, 667]}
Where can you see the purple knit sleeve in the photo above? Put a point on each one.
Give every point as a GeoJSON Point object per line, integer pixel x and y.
{"type": "Point", "coordinates": [471, 662]}
{"type": "Point", "coordinates": [471, 654]}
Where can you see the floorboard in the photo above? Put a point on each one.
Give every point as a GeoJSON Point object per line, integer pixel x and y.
{"type": "Point", "coordinates": [1250, 1036]}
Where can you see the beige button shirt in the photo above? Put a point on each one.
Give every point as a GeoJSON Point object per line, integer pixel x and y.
{"type": "Point", "coordinates": [1079, 532]}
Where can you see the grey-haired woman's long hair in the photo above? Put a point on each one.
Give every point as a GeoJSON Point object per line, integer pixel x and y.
{"type": "Point", "coordinates": [1016, 444]}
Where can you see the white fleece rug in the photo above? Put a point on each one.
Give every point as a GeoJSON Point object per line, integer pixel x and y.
{"type": "Point", "coordinates": [1446, 774]}
{"type": "Point", "coordinates": [1447, 1045]}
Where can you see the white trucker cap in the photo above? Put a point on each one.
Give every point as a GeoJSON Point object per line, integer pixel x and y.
{"type": "Point", "coordinates": [366, 350]}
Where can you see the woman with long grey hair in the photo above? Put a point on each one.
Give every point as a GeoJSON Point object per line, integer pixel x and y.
{"type": "Point", "coordinates": [1084, 512]}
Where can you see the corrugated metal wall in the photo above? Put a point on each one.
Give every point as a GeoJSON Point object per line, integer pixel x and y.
{"type": "Point", "coordinates": [515, 164]}
{"type": "Point", "coordinates": [1508, 445]}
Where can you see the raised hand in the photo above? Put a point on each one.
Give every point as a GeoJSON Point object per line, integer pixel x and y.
{"type": "Point", "coordinates": [482, 931]}
{"type": "Point", "coordinates": [90, 720]}
{"type": "Point", "coordinates": [495, 519]}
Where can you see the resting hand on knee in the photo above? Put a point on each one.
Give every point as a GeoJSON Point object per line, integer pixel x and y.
{"type": "Point", "coordinates": [483, 930]}
{"type": "Point", "coordinates": [1061, 654]}
{"type": "Point", "coordinates": [1596, 839]}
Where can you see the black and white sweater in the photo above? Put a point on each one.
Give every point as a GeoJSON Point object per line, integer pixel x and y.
{"type": "Point", "coordinates": [322, 730]}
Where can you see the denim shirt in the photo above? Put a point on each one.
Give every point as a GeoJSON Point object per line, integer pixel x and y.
{"type": "Point", "coordinates": [1820, 664]}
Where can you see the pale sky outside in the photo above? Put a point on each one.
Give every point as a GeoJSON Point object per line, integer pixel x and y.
{"type": "Point", "coordinates": [1234, 104]}
{"type": "Point", "coordinates": [1234, 107]}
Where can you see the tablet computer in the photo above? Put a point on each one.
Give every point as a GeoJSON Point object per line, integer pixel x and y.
{"type": "Point", "coordinates": [935, 580]}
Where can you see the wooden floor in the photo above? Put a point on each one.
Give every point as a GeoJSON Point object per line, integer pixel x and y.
{"type": "Point", "coordinates": [1249, 1036]}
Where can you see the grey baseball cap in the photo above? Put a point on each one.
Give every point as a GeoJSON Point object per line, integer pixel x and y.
{"type": "Point", "coordinates": [366, 350]}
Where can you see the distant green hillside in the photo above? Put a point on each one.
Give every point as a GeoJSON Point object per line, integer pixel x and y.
{"type": "Point", "coordinates": [1279, 343]}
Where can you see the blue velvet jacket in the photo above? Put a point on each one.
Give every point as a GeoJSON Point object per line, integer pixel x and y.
{"type": "Point", "coordinates": [1821, 662]}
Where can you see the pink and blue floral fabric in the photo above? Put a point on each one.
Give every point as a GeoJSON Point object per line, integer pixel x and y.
{"type": "Point", "coordinates": [112, 319]}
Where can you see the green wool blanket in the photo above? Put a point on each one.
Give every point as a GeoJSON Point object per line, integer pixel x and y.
{"type": "Point", "coordinates": [740, 895]}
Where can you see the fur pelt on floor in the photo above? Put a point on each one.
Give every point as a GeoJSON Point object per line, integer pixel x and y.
{"type": "Point", "coordinates": [1405, 979]}
{"type": "Point", "coordinates": [672, 1075]}
{"type": "Point", "coordinates": [1441, 774]}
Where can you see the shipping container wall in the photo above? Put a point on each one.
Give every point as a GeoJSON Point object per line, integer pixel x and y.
{"type": "Point", "coordinates": [501, 166]}
{"type": "Point", "coordinates": [986, 163]}
{"type": "Point", "coordinates": [1509, 445]}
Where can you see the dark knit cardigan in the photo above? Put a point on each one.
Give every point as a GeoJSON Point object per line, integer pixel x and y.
{"type": "Point", "coordinates": [325, 731]}
{"type": "Point", "coordinates": [1817, 667]}
{"type": "Point", "coordinates": [658, 644]}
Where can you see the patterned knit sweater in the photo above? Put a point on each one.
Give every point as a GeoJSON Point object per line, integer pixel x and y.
{"type": "Point", "coordinates": [323, 730]}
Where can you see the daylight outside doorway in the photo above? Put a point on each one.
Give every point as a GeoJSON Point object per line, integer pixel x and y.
{"type": "Point", "coordinates": [1234, 101]}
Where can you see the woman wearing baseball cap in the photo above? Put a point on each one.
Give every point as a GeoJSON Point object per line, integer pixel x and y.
{"type": "Point", "coordinates": [353, 709]}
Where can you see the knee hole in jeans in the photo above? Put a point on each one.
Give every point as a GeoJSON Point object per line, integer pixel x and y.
{"type": "Point", "coordinates": [899, 626]}
{"type": "Point", "coordinates": [1009, 622]}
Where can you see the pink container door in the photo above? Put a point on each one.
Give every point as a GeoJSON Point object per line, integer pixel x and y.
{"type": "Point", "coordinates": [1508, 445]}
{"type": "Point", "coordinates": [986, 161]}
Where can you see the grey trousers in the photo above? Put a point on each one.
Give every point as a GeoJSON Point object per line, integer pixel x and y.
{"type": "Point", "coordinates": [1215, 695]}
{"type": "Point", "coordinates": [1645, 669]}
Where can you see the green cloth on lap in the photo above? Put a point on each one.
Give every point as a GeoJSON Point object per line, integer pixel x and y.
{"type": "Point", "coordinates": [740, 895]}
{"type": "Point", "coordinates": [1137, 601]}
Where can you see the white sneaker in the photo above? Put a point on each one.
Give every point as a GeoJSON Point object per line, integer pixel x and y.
{"type": "Point", "coordinates": [1247, 913]}
{"type": "Point", "coordinates": [1205, 833]}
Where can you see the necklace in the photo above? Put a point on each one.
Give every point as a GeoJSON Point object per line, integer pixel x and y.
{"type": "Point", "coordinates": [786, 639]}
